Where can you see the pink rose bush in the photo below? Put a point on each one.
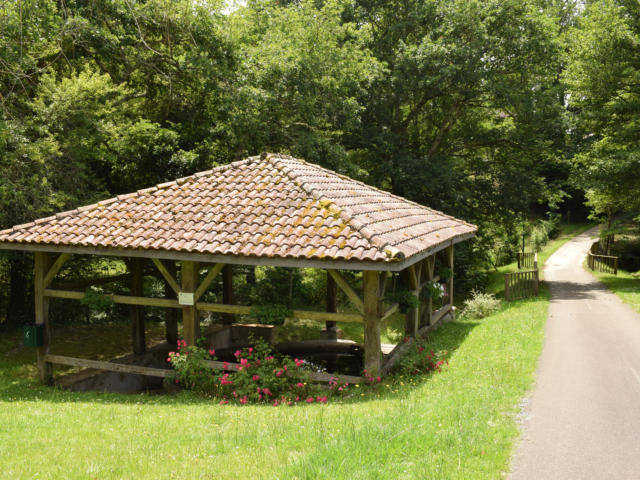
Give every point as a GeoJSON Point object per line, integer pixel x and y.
{"type": "Point", "coordinates": [258, 376]}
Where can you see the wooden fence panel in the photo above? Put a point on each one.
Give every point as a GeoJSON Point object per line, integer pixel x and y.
{"type": "Point", "coordinates": [526, 260]}
{"type": "Point", "coordinates": [601, 263]}
{"type": "Point", "coordinates": [519, 285]}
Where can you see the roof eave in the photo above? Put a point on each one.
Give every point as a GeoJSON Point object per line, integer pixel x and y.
{"type": "Point", "coordinates": [326, 263]}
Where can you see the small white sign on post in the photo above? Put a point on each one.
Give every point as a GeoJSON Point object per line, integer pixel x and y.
{"type": "Point", "coordinates": [185, 298]}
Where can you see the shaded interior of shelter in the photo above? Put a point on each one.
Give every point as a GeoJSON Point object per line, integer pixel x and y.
{"type": "Point", "coordinates": [338, 356]}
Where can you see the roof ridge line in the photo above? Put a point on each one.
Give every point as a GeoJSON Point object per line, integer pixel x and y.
{"type": "Point", "coordinates": [384, 247]}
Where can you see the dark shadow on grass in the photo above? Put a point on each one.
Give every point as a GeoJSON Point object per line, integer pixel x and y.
{"type": "Point", "coordinates": [14, 388]}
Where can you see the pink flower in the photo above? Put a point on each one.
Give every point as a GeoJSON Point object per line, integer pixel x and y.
{"type": "Point", "coordinates": [378, 379]}
{"type": "Point", "coordinates": [212, 352]}
{"type": "Point", "coordinates": [299, 384]}
{"type": "Point", "coordinates": [250, 350]}
{"type": "Point", "coordinates": [275, 403]}
{"type": "Point", "coordinates": [267, 392]}
{"type": "Point", "coordinates": [225, 366]}
{"type": "Point", "coordinates": [279, 373]}
{"type": "Point", "coordinates": [237, 353]}
{"type": "Point", "coordinates": [269, 358]}
{"type": "Point", "coordinates": [223, 402]}
{"type": "Point", "coordinates": [256, 378]}
{"type": "Point", "coordinates": [169, 359]}
{"type": "Point", "coordinates": [297, 399]}
{"type": "Point", "coordinates": [322, 399]}
{"type": "Point", "coordinates": [310, 400]}
{"type": "Point", "coordinates": [244, 400]}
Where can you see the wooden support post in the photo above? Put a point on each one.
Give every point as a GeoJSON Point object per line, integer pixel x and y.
{"type": "Point", "coordinates": [412, 318]}
{"type": "Point", "coordinates": [227, 292]}
{"type": "Point", "coordinates": [430, 264]}
{"type": "Point", "coordinates": [331, 330]}
{"type": "Point", "coordinates": [372, 348]}
{"type": "Point", "coordinates": [170, 314]}
{"type": "Point", "coordinates": [42, 264]}
{"type": "Point", "coordinates": [450, 283]}
{"type": "Point", "coordinates": [190, 320]}
{"type": "Point", "coordinates": [137, 311]}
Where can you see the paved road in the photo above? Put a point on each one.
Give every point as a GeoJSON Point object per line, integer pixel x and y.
{"type": "Point", "coordinates": [583, 419]}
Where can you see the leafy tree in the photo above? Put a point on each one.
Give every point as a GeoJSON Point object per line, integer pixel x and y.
{"type": "Point", "coordinates": [602, 80]}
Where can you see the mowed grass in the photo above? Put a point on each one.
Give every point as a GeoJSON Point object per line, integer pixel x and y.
{"type": "Point", "coordinates": [460, 423]}
{"type": "Point", "coordinates": [625, 285]}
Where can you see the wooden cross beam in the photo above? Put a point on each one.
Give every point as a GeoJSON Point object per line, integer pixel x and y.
{"type": "Point", "coordinates": [55, 268]}
{"type": "Point", "coordinates": [171, 281]}
{"type": "Point", "coordinates": [211, 275]}
{"type": "Point", "coordinates": [346, 288]}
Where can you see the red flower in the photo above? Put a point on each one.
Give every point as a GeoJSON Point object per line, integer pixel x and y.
{"type": "Point", "coordinates": [244, 400]}
{"type": "Point", "coordinates": [299, 385]}
{"type": "Point", "coordinates": [310, 400]}
{"type": "Point", "coordinates": [256, 378]}
{"type": "Point", "coordinates": [212, 352]}
{"type": "Point", "coordinates": [237, 353]}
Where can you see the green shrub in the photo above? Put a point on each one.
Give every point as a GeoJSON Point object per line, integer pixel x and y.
{"type": "Point", "coordinates": [433, 291]}
{"type": "Point", "coordinates": [539, 237]}
{"type": "Point", "coordinates": [261, 376]}
{"type": "Point", "coordinates": [404, 298]}
{"type": "Point", "coordinates": [96, 300]}
{"type": "Point", "coordinates": [419, 359]}
{"type": "Point", "coordinates": [480, 305]}
{"type": "Point", "coordinates": [270, 314]}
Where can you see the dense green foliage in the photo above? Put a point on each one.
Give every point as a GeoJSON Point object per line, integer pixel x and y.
{"type": "Point", "coordinates": [492, 111]}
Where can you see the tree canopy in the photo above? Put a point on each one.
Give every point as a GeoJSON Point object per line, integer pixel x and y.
{"type": "Point", "coordinates": [493, 111]}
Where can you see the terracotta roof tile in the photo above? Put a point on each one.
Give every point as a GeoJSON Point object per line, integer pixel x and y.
{"type": "Point", "coordinates": [271, 206]}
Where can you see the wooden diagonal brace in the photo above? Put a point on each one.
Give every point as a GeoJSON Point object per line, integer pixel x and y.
{"type": "Point", "coordinates": [167, 275]}
{"type": "Point", "coordinates": [344, 286]}
{"type": "Point", "coordinates": [55, 268]}
{"type": "Point", "coordinates": [213, 272]}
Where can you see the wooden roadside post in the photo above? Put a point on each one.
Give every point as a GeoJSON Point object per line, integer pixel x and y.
{"type": "Point", "coordinates": [171, 314]}
{"type": "Point", "coordinates": [190, 320]}
{"type": "Point", "coordinates": [42, 264]}
{"type": "Point", "coordinates": [372, 348]}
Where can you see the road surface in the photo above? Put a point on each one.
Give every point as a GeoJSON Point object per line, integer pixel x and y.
{"type": "Point", "coordinates": [583, 417]}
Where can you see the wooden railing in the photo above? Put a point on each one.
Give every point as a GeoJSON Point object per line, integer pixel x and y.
{"type": "Point", "coordinates": [522, 284]}
{"type": "Point", "coordinates": [526, 260]}
{"type": "Point", "coordinates": [601, 263]}
{"type": "Point", "coordinates": [167, 373]}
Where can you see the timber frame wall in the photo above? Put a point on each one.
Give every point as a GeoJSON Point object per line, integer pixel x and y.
{"type": "Point", "coordinates": [184, 297]}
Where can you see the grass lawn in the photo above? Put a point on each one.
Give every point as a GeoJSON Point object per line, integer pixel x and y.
{"type": "Point", "coordinates": [625, 285]}
{"type": "Point", "coordinates": [456, 424]}
{"type": "Point", "coordinates": [460, 423]}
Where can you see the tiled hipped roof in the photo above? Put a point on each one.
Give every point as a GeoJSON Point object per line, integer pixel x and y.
{"type": "Point", "coordinates": [271, 206]}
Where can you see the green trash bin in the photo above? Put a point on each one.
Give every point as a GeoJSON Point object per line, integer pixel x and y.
{"type": "Point", "coordinates": [33, 335]}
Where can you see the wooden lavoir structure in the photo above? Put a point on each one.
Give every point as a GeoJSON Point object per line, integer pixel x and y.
{"type": "Point", "coordinates": [271, 210]}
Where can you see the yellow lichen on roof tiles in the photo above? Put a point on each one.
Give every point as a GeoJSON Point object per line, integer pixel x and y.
{"type": "Point", "coordinates": [275, 206]}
